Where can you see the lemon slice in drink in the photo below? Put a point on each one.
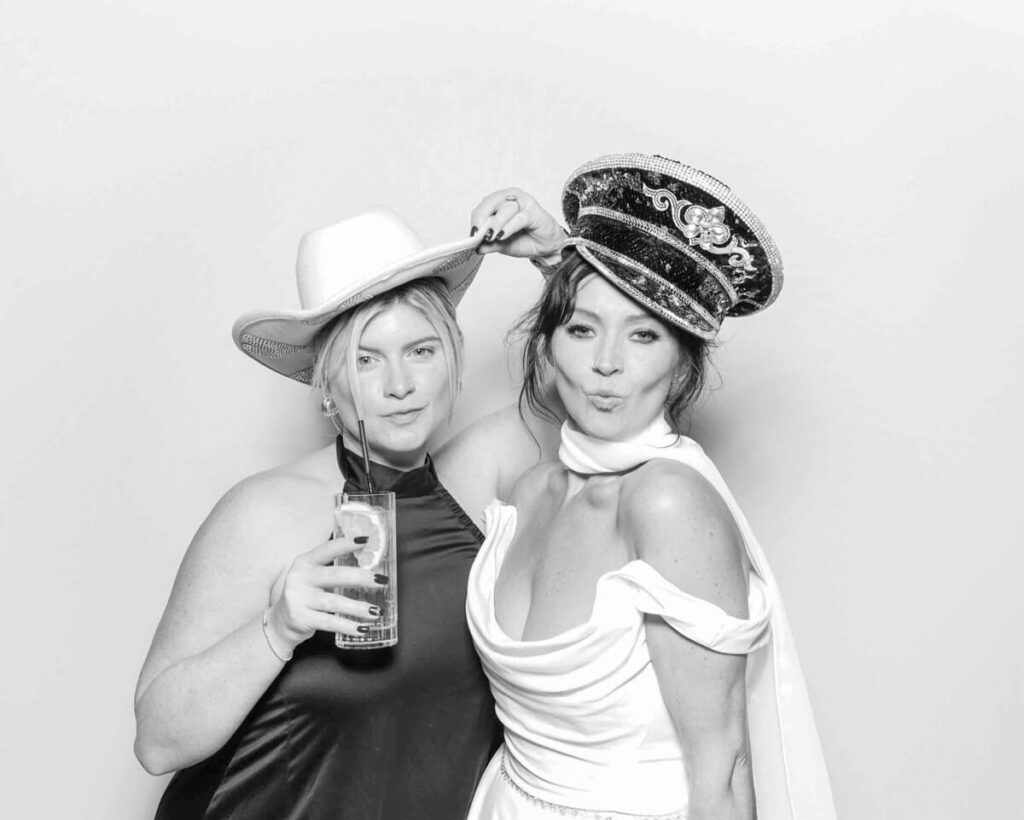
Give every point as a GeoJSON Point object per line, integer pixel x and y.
{"type": "Point", "coordinates": [358, 519]}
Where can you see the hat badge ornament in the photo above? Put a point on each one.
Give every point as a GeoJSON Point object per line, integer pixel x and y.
{"type": "Point", "coordinates": [704, 227]}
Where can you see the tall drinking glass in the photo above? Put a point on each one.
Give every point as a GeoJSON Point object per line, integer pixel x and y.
{"type": "Point", "coordinates": [371, 515]}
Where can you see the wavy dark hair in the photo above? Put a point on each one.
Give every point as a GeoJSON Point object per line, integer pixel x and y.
{"type": "Point", "coordinates": [555, 308]}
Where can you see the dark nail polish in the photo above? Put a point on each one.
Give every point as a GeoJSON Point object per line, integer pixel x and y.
{"type": "Point", "coordinates": [498, 237]}
{"type": "Point", "coordinates": [473, 230]}
{"type": "Point", "coordinates": [363, 629]}
{"type": "Point", "coordinates": [361, 539]}
{"type": "Point", "coordinates": [380, 579]}
{"type": "Point", "coordinates": [489, 235]}
{"type": "Point", "coordinates": [375, 611]}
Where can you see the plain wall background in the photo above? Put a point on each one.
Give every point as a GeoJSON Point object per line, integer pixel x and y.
{"type": "Point", "coordinates": [160, 161]}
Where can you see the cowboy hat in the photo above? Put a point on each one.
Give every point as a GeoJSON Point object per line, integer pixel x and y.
{"type": "Point", "coordinates": [339, 267]}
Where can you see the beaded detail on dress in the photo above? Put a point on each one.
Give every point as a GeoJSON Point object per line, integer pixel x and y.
{"type": "Point", "coordinates": [569, 811]}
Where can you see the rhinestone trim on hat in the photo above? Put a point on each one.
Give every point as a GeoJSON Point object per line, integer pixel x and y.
{"type": "Point", "coordinates": [470, 274]}
{"type": "Point", "coordinates": [693, 176]}
{"type": "Point", "coordinates": [662, 235]}
{"type": "Point", "coordinates": [305, 375]}
{"type": "Point", "coordinates": [582, 814]}
{"type": "Point", "coordinates": [258, 347]}
{"type": "Point", "coordinates": [456, 260]}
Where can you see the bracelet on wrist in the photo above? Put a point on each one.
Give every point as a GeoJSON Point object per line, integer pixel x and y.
{"type": "Point", "coordinates": [545, 268]}
{"type": "Point", "coordinates": [266, 634]}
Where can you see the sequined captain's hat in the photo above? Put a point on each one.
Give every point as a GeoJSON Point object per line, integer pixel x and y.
{"type": "Point", "coordinates": [672, 237]}
{"type": "Point", "coordinates": [339, 267]}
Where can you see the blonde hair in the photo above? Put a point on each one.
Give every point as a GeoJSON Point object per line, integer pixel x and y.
{"type": "Point", "coordinates": [338, 343]}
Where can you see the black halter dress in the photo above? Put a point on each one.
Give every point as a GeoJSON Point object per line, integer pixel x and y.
{"type": "Point", "coordinates": [379, 734]}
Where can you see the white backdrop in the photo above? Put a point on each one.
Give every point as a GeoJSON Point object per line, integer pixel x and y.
{"type": "Point", "coordinates": [160, 161]}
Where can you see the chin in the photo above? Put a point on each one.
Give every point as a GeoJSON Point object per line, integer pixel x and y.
{"type": "Point", "coordinates": [606, 426]}
{"type": "Point", "coordinates": [404, 444]}
{"type": "Point", "coordinates": [617, 426]}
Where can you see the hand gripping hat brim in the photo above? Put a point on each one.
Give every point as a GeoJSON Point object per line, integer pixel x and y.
{"type": "Point", "coordinates": [672, 237]}
{"type": "Point", "coordinates": [340, 267]}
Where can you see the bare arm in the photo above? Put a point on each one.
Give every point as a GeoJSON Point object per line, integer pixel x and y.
{"type": "Point", "coordinates": [209, 661]}
{"type": "Point", "coordinates": [680, 525]}
{"type": "Point", "coordinates": [484, 461]}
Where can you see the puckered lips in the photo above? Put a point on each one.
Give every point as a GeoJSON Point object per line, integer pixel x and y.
{"type": "Point", "coordinates": [604, 400]}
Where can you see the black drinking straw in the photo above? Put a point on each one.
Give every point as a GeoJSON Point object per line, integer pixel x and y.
{"type": "Point", "coordinates": [366, 456]}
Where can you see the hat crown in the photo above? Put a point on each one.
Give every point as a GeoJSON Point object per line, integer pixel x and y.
{"type": "Point", "coordinates": [341, 257]}
{"type": "Point", "coordinates": [674, 238]}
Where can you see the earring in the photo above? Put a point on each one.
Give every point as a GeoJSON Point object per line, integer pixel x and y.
{"type": "Point", "coordinates": [327, 407]}
{"type": "Point", "coordinates": [676, 386]}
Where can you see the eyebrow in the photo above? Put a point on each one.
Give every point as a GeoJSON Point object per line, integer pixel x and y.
{"type": "Point", "coordinates": [632, 317]}
{"type": "Point", "coordinates": [417, 343]}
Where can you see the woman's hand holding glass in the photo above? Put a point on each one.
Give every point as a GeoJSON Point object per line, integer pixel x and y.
{"type": "Point", "coordinates": [304, 597]}
{"type": "Point", "coordinates": [514, 224]}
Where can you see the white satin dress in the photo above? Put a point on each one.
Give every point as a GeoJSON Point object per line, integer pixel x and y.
{"type": "Point", "coordinates": [587, 733]}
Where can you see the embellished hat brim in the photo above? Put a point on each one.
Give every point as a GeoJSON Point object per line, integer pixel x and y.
{"type": "Point", "coordinates": [646, 290]}
{"type": "Point", "coordinates": [282, 340]}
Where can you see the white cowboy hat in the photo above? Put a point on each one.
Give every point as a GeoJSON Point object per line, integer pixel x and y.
{"type": "Point", "coordinates": [341, 266]}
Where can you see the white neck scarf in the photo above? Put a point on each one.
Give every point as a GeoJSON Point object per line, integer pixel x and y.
{"type": "Point", "coordinates": [584, 454]}
{"type": "Point", "coordinates": [790, 778]}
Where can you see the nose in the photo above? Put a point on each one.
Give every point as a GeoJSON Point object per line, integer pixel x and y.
{"type": "Point", "coordinates": [399, 383]}
{"type": "Point", "coordinates": [607, 357]}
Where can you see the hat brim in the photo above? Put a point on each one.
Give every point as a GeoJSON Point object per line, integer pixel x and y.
{"type": "Point", "coordinates": [643, 287]}
{"type": "Point", "coordinates": [282, 340]}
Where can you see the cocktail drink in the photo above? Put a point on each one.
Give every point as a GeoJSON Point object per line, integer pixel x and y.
{"type": "Point", "coordinates": [371, 515]}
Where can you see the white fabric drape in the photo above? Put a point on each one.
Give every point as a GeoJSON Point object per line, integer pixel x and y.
{"type": "Point", "coordinates": [790, 778]}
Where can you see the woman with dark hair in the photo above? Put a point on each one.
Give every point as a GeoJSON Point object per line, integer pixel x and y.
{"type": "Point", "coordinates": [555, 308]}
{"type": "Point", "coordinates": [628, 621]}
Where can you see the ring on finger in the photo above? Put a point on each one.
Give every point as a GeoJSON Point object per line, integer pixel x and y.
{"type": "Point", "coordinates": [511, 198]}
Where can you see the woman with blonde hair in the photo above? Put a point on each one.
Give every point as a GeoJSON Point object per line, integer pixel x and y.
{"type": "Point", "coordinates": [244, 693]}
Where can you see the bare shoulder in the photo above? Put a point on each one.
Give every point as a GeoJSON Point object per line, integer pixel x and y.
{"type": "Point", "coordinates": [674, 519]}
{"type": "Point", "coordinates": [669, 489]}
{"type": "Point", "coordinates": [282, 501]}
{"type": "Point", "coordinates": [486, 459]}
{"type": "Point", "coordinates": [501, 437]}
{"type": "Point", "coordinates": [546, 479]}
{"type": "Point", "coordinates": [253, 533]}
